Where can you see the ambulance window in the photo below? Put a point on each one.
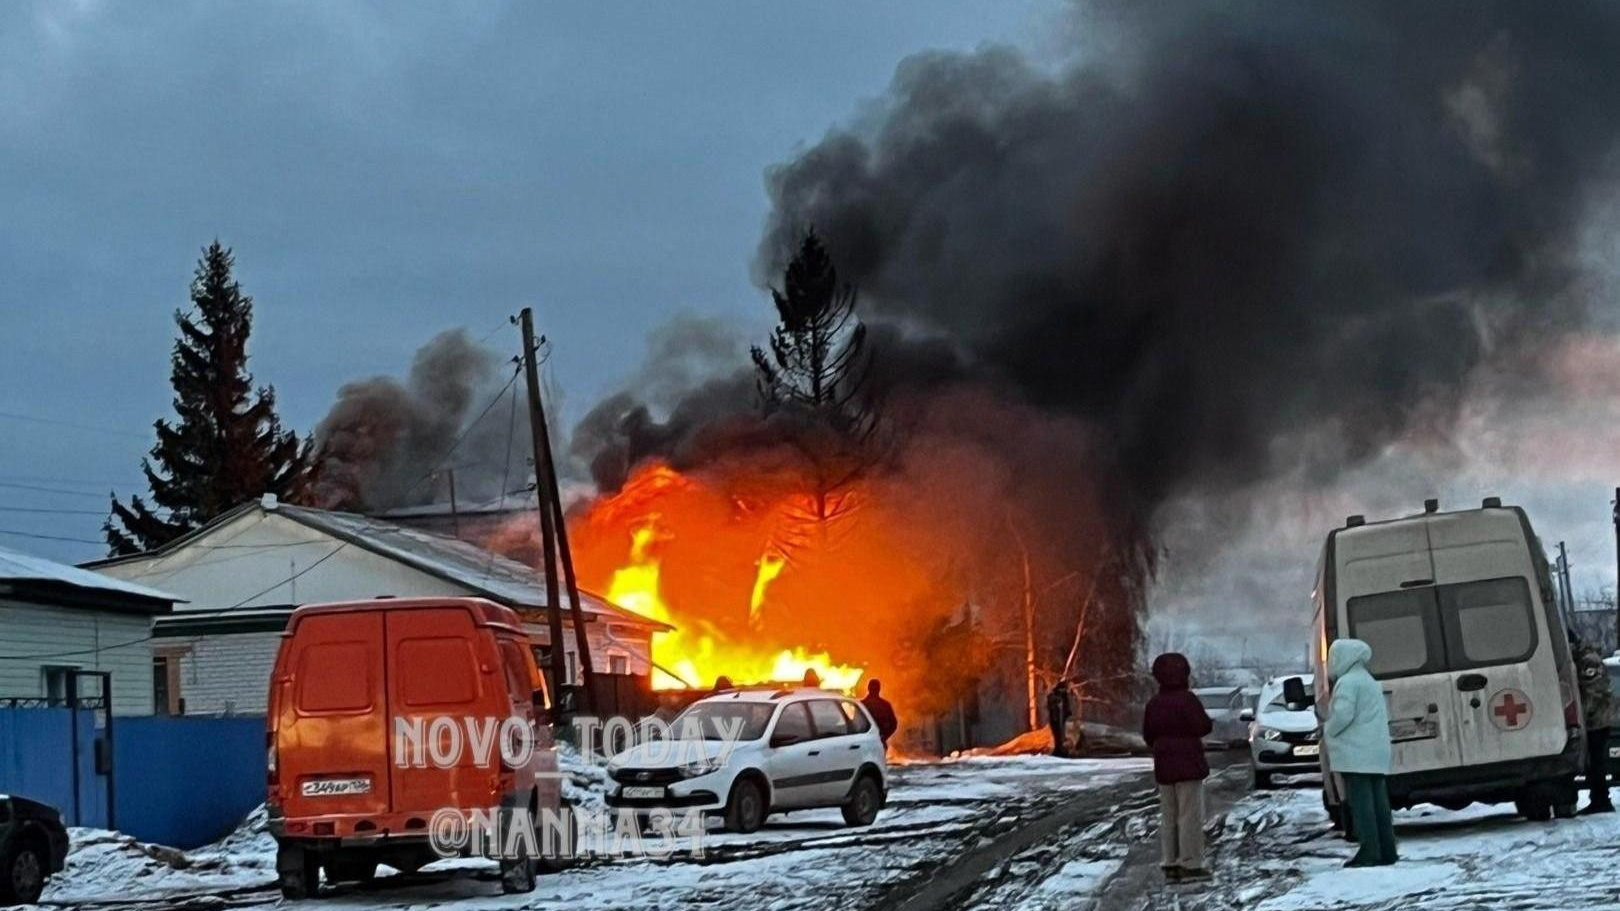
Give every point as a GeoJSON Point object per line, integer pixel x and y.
{"type": "Point", "coordinates": [1489, 622]}
{"type": "Point", "coordinates": [335, 677]}
{"type": "Point", "coordinates": [1403, 629]}
{"type": "Point", "coordinates": [438, 671]}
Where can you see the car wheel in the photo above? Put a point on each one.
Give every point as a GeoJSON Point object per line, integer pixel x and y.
{"type": "Point", "coordinates": [864, 802]}
{"type": "Point", "coordinates": [745, 808]}
{"type": "Point", "coordinates": [297, 873]}
{"type": "Point", "coordinates": [24, 877]}
{"type": "Point", "coordinates": [517, 876]}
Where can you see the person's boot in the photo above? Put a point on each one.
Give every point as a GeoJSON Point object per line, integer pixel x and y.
{"type": "Point", "coordinates": [1195, 874]}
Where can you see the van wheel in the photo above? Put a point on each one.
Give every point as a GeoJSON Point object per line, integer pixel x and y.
{"type": "Point", "coordinates": [557, 858]}
{"type": "Point", "coordinates": [1564, 810]}
{"type": "Point", "coordinates": [517, 876]}
{"type": "Point", "coordinates": [1261, 780]}
{"type": "Point", "coordinates": [297, 873]}
{"type": "Point", "coordinates": [745, 808]}
{"type": "Point", "coordinates": [350, 869]}
{"type": "Point", "coordinates": [864, 803]}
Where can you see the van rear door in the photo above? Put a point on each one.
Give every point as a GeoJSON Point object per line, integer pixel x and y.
{"type": "Point", "coordinates": [1507, 691]}
{"type": "Point", "coordinates": [331, 724]}
{"type": "Point", "coordinates": [445, 677]}
{"type": "Point", "coordinates": [1380, 583]}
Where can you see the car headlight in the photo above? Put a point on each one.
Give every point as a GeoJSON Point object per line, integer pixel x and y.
{"type": "Point", "coordinates": [1270, 734]}
{"type": "Point", "coordinates": [700, 767]}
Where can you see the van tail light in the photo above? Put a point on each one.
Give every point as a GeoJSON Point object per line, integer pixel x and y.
{"type": "Point", "coordinates": [272, 773]}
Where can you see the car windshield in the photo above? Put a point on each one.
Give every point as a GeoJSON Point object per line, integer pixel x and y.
{"type": "Point", "coordinates": [724, 721]}
{"type": "Point", "coordinates": [1280, 704]}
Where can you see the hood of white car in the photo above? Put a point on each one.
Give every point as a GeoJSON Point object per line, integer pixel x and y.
{"type": "Point", "coordinates": [1292, 722]}
{"type": "Point", "coordinates": [668, 754]}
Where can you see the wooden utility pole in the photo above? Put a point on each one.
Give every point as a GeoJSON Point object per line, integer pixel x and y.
{"type": "Point", "coordinates": [548, 532]}
{"type": "Point", "coordinates": [576, 613]}
{"type": "Point", "coordinates": [1617, 559]}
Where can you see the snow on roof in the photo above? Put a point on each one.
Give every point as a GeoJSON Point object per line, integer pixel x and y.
{"type": "Point", "coordinates": [484, 571]}
{"type": "Point", "coordinates": [20, 567]}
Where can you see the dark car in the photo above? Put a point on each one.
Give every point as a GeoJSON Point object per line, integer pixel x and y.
{"type": "Point", "coordinates": [33, 845]}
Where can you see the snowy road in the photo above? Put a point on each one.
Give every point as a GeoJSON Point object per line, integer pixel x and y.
{"type": "Point", "coordinates": [942, 817]}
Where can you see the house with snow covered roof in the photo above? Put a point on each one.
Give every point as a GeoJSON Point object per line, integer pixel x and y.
{"type": "Point", "coordinates": [243, 574]}
{"type": "Point", "coordinates": [62, 627]}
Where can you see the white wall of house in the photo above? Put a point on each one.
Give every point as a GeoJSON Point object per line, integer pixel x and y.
{"type": "Point", "coordinates": [250, 562]}
{"type": "Point", "coordinates": [103, 640]}
{"type": "Point", "coordinates": [225, 674]}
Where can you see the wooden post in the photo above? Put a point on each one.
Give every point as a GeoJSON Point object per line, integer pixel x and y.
{"type": "Point", "coordinates": [548, 534]}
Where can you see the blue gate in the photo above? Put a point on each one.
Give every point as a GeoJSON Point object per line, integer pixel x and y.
{"type": "Point", "coordinates": [57, 754]}
{"type": "Point", "coordinates": [187, 781]}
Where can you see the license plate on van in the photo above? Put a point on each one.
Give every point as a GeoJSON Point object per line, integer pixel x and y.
{"type": "Point", "coordinates": [1413, 729]}
{"type": "Point", "coordinates": [635, 793]}
{"type": "Point", "coordinates": [335, 787]}
{"type": "Point", "coordinates": [1308, 749]}
{"type": "Point", "coordinates": [1614, 752]}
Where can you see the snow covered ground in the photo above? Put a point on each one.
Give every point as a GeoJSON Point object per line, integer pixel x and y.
{"type": "Point", "coordinates": [937, 811]}
{"type": "Point", "coordinates": [1276, 855]}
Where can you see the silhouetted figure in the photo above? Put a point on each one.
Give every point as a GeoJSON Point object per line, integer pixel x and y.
{"type": "Point", "coordinates": [881, 711]}
{"type": "Point", "coordinates": [1058, 709]}
{"type": "Point", "coordinates": [723, 684]}
{"type": "Point", "coordinates": [812, 679]}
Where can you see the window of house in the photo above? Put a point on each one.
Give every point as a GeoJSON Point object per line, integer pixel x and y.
{"type": "Point", "coordinates": [619, 664]}
{"type": "Point", "coordinates": [160, 685]}
{"type": "Point", "coordinates": [55, 683]}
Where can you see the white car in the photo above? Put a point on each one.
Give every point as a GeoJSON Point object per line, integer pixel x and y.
{"type": "Point", "coordinates": [745, 754]}
{"type": "Point", "coordinates": [1283, 737]}
{"type": "Point", "coordinates": [1224, 705]}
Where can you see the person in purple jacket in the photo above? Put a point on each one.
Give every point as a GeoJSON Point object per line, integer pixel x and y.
{"type": "Point", "coordinates": [1174, 726]}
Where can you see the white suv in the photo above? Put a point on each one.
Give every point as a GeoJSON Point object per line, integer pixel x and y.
{"type": "Point", "coordinates": [745, 754]}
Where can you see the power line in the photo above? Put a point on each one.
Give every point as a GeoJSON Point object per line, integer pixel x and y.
{"type": "Point", "coordinates": [54, 512]}
{"type": "Point", "coordinates": [75, 425]}
{"type": "Point", "coordinates": [30, 534]}
{"type": "Point", "coordinates": [60, 491]}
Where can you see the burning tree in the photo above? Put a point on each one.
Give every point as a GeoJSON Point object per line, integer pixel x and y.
{"type": "Point", "coordinates": [228, 445]}
{"type": "Point", "coordinates": [815, 376]}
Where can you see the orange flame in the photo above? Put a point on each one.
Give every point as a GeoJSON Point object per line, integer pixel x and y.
{"type": "Point", "coordinates": [695, 653]}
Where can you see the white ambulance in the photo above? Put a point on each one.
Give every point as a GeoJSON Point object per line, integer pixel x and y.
{"type": "Point", "coordinates": [1468, 645]}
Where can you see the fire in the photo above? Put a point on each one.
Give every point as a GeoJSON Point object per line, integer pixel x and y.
{"type": "Point", "coordinates": [696, 652]}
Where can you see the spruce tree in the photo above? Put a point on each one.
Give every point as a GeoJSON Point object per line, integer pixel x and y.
{"type": "Point", "coordinates": [226, 446]}
{"type": "Point", "coordinates": [815, 374]}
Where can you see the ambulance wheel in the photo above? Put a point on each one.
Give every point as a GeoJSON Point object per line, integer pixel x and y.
{"type": "Point", "coordinates": [1564, 810]}
{"type": "Point", "coordinates": [297, 873]}
{"type": "Point", "coordinates": [1534, 807]}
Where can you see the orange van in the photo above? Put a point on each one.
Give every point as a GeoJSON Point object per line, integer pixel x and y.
{"type": "Point", "coordinates": [347, 789]}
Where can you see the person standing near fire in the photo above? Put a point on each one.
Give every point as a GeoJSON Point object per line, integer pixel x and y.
{"type": "Point", "coordinates": [1059, 708]}
{"type": "Point", "coordinates": [881, 711]}
{"type": "Point", "coordinates": [1596, 702]}
{"type": "Point", "coordinates": [1174, 726]}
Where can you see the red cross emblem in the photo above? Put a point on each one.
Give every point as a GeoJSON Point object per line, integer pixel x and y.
{"type": "Point", "coordinates": [1510, 710]}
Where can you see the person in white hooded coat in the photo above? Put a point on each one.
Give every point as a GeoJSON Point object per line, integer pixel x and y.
{"type": "Point", "coordinates": [1356, 734]}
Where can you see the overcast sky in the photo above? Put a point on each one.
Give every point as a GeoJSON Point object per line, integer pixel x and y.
{"type": "Point", "coordinates": [383, 172]}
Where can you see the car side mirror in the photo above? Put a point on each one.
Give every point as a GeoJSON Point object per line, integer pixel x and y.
{"type": "Point", "coordinates": [1246, 715]}
{"type": "Point", "coordinates": [1294, 691]}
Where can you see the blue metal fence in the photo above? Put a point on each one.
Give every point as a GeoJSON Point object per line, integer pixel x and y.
{"type": "Point", "coordinates": [176, 781]}
{"type": "Point", "coordinates": [48, 753]}
{"type": "Point", "coordinates": [186, 781]}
